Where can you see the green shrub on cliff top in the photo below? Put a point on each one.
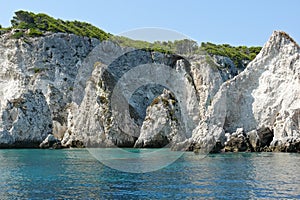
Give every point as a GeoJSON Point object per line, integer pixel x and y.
{"type": "Point", "coordinates": [39, 23]}
{"type": "Point", "coordinates": [186, 46]}
{"type": "Point", "coordinates": [236, 54]}
{"type": "Point", "coordinates": [139, 44]}
{"type": "Point", "coordinates": [17, 35]}
{"type": "Point", "coordinates": [34, 32]}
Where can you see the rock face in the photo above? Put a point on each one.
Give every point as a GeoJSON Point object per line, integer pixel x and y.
{"type": "Point", "coordinates": [37, 77]}
{"type": "Point", "coordinates": [161, 107]}
{"type": "Point", "coordinates": [265, 96]}
{"type": "Point", "coordinates": [87, 93]}
{"type": "Point", "coordinates": [26, 120]}
{"type": "Point", "coordinates": [79, 78]}
{"type": "Point", "coordinates": [111, 112]}
{"type": "Point", "coordinates": [50, 142]}
{"type": "Point", "coordinates": [286, 131]}
{"type": "Point", "coordinates": [162, 125]}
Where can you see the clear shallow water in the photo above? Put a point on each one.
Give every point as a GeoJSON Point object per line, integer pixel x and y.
{"type": "Point", "coordinates": [75, 174]}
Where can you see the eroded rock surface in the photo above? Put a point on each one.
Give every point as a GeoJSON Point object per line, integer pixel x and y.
{"type": "Point", "coordinates": [87, 93]}
{"type": "Point", "coordinates": [265, 95]}
{"type": "Point", "coordinates": [41, 72]}
{"type": "Point", "coordinates": [26, 120]}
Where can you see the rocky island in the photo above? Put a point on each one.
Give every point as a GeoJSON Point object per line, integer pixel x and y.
{"type": "Point", "coordinates": [57, 89]}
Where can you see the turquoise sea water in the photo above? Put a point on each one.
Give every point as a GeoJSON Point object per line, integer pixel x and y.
{"type": "Point", "coordinates": [75, 174]}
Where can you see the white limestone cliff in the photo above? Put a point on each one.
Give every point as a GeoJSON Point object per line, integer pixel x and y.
{"type": "Point", "coordinates": [26, 120]}
{"type": "Point", "coordinates": [90, 93]}
{"type": "Point", "coordinates": [265, 95]}
{"type": "Point", "coordinates": [44, 69]}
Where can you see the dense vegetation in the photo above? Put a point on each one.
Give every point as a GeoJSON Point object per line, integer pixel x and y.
{"type": "Point", "coordinates": [39, 23]}
{"type": "Point", "coordinates": [139, 44]}
{"type": "Point", "coordinates": [236, 54]}
{"type": "Point", "coordinates": [186, 46]}
{"type": "Point", "coordinates": [28, 24]}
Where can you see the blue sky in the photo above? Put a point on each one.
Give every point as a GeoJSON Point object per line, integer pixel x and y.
{"type": "Point", "coordinates": [236, 22]}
